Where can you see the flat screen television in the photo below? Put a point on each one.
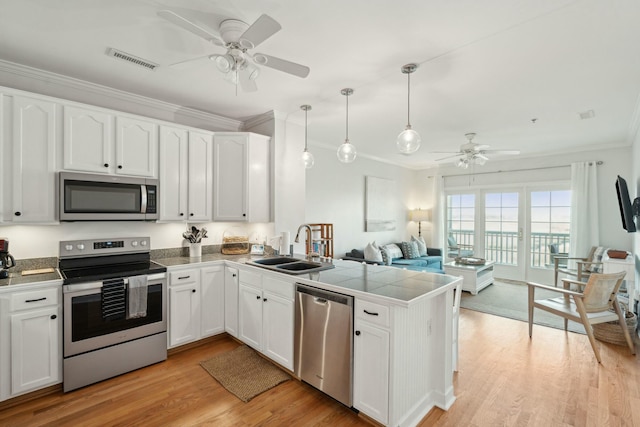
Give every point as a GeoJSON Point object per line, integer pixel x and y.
{"type": "Point", "coordinates": [628, 210]}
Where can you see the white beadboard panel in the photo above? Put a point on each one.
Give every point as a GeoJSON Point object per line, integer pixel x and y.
{"type": "Point", "coordinates": [416, 384]}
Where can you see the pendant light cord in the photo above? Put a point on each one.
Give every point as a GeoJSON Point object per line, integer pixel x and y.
{"type": "Point", "coordinates": [305, 129]}
{"type": "Point", "coordinates": [408, 99]}
{"type": "Point", "coordinates": [347, 95]}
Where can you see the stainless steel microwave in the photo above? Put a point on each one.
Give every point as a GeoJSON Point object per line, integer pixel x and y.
{"type": "Point", "coordinates": [89, 197]}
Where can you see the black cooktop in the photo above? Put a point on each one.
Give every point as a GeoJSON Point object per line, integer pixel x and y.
{"type": "Point", "coordinates": [80, 270]}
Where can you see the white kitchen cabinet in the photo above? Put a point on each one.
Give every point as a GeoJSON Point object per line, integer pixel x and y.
{"type": "Point", "coordinates": [266, 316]}
{"type": "Point", "coordinates": [231, 284]}
{"type": "Point", "coordinates": [90, 144]}
{"type": "Point", "coordinates": [34, 143]}
{"type": "Point", "coordinates": [196, 303]}
{"type": "Point", "coordinates": [242, 177]}
{"type": "Point", "coordinates": [371, 360]}
{"type": "Point", "coordinates": [184, 306]}
{"type": "Point", "coordinates": [136, 150]}
{"type": "Point", "coordinates": [186, 173]}
{"type": "Point", "coordinates": [87, 140]}
{"type": "Point", "coordinates": [212, 300]}
{"type": "Point", "coordinates": [31, 337]}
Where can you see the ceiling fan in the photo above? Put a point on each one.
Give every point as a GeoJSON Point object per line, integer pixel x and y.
{"type": "Point", "coordinates": [474, 153]}
{"type": "Point", "coordinates": [237, 63]}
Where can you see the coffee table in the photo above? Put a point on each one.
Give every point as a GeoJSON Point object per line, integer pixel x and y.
{"type": "Point", "coordinates": [474, 277]}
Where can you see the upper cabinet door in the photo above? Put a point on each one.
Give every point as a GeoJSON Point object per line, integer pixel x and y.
{"type": "Point", "coordinates": [200, 176]}
{"type": "Point", "coordinates": [174, 163]}
{"type": "Point", "coordinates": [136, 147]}
{"type": "Point", "coordinates": [88, 143]}
{"type": "Point", "coordinates": [230, 179]}
{"type": "Point", "coordinates": [34, 160]}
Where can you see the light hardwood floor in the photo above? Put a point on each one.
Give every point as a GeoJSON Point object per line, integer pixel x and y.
{"type": "Point", "coordinates": [504, 379]}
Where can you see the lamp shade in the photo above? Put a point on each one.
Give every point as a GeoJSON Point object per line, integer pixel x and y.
{"type": "Point", "coordinates": [418, 215]}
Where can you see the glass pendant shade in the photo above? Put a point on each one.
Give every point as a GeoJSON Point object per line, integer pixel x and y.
{"type": "Point", "coordinates": [224, 63]}
{"type": "Point", "coordinates": [347, 152]}
{"type": "Point", "coordinates": [307, 159]}
{"type": "Point", "coordinates": [408, 141]}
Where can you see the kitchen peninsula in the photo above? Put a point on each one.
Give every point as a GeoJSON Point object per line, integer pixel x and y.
{"type": "Point", "coordinates": [402, 354]}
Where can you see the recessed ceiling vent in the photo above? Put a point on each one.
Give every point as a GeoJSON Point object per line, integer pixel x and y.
{"type": "Point", "coordinates": [132, 59]}
{"type": "Point", "coordinates": [589, 114]}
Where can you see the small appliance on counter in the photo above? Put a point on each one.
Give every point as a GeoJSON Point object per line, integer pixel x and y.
{"type": "Point", "coordinates": [6, 259]}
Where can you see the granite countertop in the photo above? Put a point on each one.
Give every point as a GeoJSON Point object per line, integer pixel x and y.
{"type": "Point", "coordinates": [16, 278]}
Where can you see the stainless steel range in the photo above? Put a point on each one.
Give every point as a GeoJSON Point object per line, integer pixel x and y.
{"type": "Point", "coordinates": [115, 305]}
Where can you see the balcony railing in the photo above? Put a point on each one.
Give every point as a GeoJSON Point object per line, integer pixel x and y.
{"type": "Point", "coordinates": [502, 247]}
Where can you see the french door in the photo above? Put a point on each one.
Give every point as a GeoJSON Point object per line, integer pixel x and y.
{"type": "Point", "coordinates": [513, 227]}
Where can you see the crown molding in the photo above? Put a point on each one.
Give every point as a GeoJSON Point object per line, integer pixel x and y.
{"type": "Point", "coordinates": [50, 78]}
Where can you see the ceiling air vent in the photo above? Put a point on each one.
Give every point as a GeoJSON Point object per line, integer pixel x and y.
{"type": "Point", "coordinates": [132, 59]}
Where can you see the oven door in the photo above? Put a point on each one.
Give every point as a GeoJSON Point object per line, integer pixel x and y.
{"type": "Point", "coordinates": [87, 327]}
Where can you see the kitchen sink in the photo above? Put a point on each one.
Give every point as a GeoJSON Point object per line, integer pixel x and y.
{"type": "Point", "coordinates": [275, 261]}
{"type": "Point", "coordinates": [299, 266]}
{"type": "Point", "coordinates": [291, 265]}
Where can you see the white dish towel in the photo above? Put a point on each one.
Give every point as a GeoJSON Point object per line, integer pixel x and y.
{"type": "Point", "coordinates": [137, 296]}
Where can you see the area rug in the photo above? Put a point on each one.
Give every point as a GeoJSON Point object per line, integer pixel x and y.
{"type": "Point", "coordinates": [244, 373]}
{"type": "Point", "coordinates": [511, 300]}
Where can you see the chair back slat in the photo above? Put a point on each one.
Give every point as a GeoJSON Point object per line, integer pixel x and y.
{"type": "Point", "coordinates": [600, 291]}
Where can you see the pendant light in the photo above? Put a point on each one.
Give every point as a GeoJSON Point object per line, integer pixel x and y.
{"type": "Point", "coordinates": [307, 157]}
{"type": "Point", "coordinates": [408, 141]}
{"type": "Point", "coordinates": [346, 151]}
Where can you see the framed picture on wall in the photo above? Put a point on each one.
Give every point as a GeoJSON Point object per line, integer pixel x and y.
{"type": "Point", "coordinates": [379, 207]}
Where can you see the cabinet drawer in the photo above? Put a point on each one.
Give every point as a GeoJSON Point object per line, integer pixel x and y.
{"type": "Point", "coordinates": [278, 287]}
{"type": "Point", "coordinates": [184, 277]}
{"type": "Point", "coordinates": [34, 299]}
{"type": "Point", "coordinates": [371, 312]}
{"type": "Point", "coordinates": [251, 278]}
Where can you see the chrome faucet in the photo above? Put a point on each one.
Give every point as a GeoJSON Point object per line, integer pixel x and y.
{"type": "Point", "coordinates": [307, 240]}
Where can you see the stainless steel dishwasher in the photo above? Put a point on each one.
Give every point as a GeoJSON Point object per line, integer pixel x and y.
{"type": "Point", "coordinates": [324, 341]}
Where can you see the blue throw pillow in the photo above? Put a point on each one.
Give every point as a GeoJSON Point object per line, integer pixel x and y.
{"type": "Point", "coordinates": [410, 250]}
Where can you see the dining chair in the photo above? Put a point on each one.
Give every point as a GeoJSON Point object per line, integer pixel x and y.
{"type": "Point", "coordinates": [592, 263]}
{"type": "Point", "coordinates": [596, 303]}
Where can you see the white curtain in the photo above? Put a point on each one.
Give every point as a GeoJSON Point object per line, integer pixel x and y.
{"type": "Point", "coordinates": [584, 208]}
{"type": "Point", "coordinates": [438, 215]}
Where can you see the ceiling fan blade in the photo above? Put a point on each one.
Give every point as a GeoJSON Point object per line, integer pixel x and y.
{"type": "Point", "coordinates": [180, 64]}
{"type": "Point", "coordinates": [481, 156]}
{"type": "Point", "coordinates": [281, 65]}
{"type": "Point", "coordinates": [450, 157]}
{"type": "Point", "coordinates": [509, 152]}
{"type": "Point", "coordinates": [190, 26]}
{"type": "Point", "coordinates": [264, 27]}
{"type": "Point", "coordinates": [246, 83]}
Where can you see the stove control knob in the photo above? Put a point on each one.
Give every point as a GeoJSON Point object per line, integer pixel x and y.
{"type": "Point", "coordinates": [80, 247]}
{"type": "Point", "coordinates": [134, 243]}
{"type": "Point", "coordinates": [69, 247]}
{"type": "Point", "coordinates": [143, 242]}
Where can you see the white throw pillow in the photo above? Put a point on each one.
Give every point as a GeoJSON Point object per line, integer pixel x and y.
{"type": "Point", "coordinates": [422, 245]}
{"type": "Point", "coordinates": [372, 252]}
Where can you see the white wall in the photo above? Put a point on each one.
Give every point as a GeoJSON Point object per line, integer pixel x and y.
{"type": "Point", "coordinates": [335, 193]}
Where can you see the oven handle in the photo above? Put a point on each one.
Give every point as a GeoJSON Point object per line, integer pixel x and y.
{"type": "Point", "coordinates": [98, 284]}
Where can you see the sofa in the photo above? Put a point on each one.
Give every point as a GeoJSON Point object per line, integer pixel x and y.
{"type": "Point", "coordinates": [431, 262]}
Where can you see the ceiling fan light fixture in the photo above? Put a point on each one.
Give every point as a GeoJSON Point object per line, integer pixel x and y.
{"type": "Point", "coordinates": [347, 151]}
{"type": "Point", "coordinates": [307, 157]}
{"type": "Point", "coordinates": [260, 59]}
{"type": "Point", "coordinates": [252, 71]}
{"type": "Point", "coordinates": [224, 63]}
{"type": "Point", "coordinates": [409, 140]}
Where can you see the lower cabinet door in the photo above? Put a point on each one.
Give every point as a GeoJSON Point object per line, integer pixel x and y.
{"type": "Point", "coordinates": [277, 329]}
{"type": "Point", "coordinates": [250, 303]}
{"type": "Point", "coordinates": [231, 280]}
{"type": "Point", "coordinates": [184, 314]}
{"type": "Point", "coordinates": [371, 371]}
{"type": "Point", "coordinates": [36, 353]}
{"type": "Point", "coordinates": [212, 301]}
